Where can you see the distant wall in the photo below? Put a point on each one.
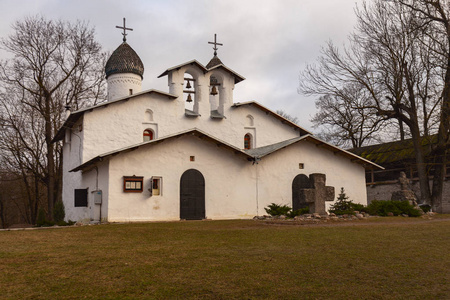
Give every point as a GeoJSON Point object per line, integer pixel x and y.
{"type": "Point", "coordinates": [384, 192]}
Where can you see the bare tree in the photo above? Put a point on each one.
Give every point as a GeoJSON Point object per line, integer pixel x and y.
{"type": "Point", "coordinates": [287, 116]}
{"type": "Point", "coordinates": [346, 122]}
{"type": "Point", "coordinates": [389, 58]}
{"type": "Point", "coordinates": [435, 21]}
{"type": "Point", "coordinates": [54, 64]}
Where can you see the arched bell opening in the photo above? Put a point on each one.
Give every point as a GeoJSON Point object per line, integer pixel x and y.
{"type": "Point", "coordinates": [189, 93]}
{"type": "Point", "coordinates": [216, 96]}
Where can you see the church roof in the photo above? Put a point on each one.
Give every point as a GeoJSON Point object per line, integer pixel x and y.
{"type": "Point", "coordinates": [265, 109]}
{"type": "Point", "coordinates": [191, 62]}
{"type": "Point", "coordinates": [215, 61]}
{"type": "Point", "coordinates": [124, 60]}
{"type": "Point", "coordinates": [237, 77]}
{"type": "Point", "coordinates": [76, 115]}
{"type": "Point", "coordinates": [261, 152]}
{"type": "Point", "coordinates": [192, 132]}
{"type": "Point", "coordinates": [251, 155]}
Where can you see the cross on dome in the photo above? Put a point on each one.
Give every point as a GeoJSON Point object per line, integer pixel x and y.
{"type": "Point", "coordinates": [215, 43]}
{"type": "Point", "coordinates": [124, 30]}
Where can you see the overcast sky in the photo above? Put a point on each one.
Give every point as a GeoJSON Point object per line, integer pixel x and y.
{"type": "Point", "coordinates": [267, 41]}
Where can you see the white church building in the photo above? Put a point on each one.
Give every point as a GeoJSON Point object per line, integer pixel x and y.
{"type": "Point", "coordinates": [192, 152]}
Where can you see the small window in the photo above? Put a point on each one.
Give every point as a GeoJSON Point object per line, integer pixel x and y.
{"type": "Point", "coordinates": [131, 92]}
{"type": "Point", "coordinates": [81, 197]}
{"type": "Point", "coordinates": [247, 141]}
{"type": "Point", "coordinates": [149, 115]}
{"type": "Point", "coordinates": [250, 120]}
{"type": "Point", "coordinates": [148, 135]}
{"type": "Point", "coordinates": [156, 186]}
{"type": "Point", "coordinates": [132, 184]}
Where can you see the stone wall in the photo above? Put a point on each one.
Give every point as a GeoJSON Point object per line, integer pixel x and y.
{"type": "Point", "coordinates": [384, 192]}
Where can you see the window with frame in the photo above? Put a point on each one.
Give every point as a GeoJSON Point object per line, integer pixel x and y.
{"type": "Point", "coordinates": [81, 198]}
{"type": "Point", "coordinates": [148, 135]}
{"type": "Point", "coordinates": [133, 184]}
{"type": "Point", "coordinates": [156, 186]}
{"type": "Point", "coordinates": [247, 141]}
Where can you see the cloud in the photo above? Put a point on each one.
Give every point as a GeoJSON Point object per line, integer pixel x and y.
{"type": "Point", "coordinates": [267, 41]}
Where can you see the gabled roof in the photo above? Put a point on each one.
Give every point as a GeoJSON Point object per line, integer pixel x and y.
{"type": "Point", "coordinates": [76, 115]}
{"type": "Point", "coordinates": [214, 62]}
{"type": "Point", "coordinates": [261, 152]}
{"type": "Point", "coordinates": [237, 77]}
{"type": "Point", "coordinates": [397, 152]}
{"type": "Point", "coordinates": [191, 62]}
{"type": "Point", "coordinates": [194, 132]}
{"type": "Point", "coordinates": [274, 114]}
{"type": "Point", "coordinates": [250, 155]}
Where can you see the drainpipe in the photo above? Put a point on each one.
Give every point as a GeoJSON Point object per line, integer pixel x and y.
{"type": "Point", "coordinates": [255, 162]}
{"type": "Point", "coordinates": [96, 188]}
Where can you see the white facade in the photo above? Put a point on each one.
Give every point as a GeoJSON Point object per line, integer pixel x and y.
{"type": "Point", "coordinates": [105, 144]}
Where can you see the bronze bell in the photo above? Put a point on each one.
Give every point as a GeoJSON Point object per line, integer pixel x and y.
{"type": "Point", "coordinates": [188, 85]}
{"type": "Point", "coordinates": [189, 98]}
{"type": "Point", "coordinates": [214, 91]}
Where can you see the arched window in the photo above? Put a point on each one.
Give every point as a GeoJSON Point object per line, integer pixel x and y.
{"type": "Point", "coordinates": [148, 135]}
{"type": "Point", "coordinates": [149, 115]}
{"type": "Point", "coordinates": [247, 141]}
{"type": "Point", "coordinates": [250, 120]}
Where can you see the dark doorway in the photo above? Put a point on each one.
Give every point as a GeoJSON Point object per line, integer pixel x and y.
{"type": "Point", "coordinates": [301, 181]}
{"type": "Point", "coordinates": [192, 195]}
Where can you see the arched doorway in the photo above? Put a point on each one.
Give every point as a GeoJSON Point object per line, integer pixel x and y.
{"type": "Point", "coordinates": [192, 195]}
{"type": "Point", "coordinates": [300, 181]}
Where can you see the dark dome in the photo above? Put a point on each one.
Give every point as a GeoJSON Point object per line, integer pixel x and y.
{"type": "Point", "coordinates": [124, 60]}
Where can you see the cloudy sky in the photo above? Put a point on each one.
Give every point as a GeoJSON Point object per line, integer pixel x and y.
{"type": "Point", "coordinates": [267, 41]}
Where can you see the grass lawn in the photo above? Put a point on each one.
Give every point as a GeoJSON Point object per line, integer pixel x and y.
{"type": "Point", "coordinates": [396, 258]}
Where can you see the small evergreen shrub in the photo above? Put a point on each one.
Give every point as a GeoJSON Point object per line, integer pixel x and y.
{"type": "Point", "coordinates": [382, 208]}
{"type": "Point", "coordinates": [343, 206]}
{"type": "Point", "coordinates": [58, 212]}
{"type": "Point", "coordinates": [40, 221]}
{"type": "Point", "coordinates": [425, 208]}
{"type": "Point", "coordinates": [277, 209]}
{"type": "Point", "coordinates": [293, 213]}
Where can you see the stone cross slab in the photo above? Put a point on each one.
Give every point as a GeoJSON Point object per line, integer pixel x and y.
{"type": "Point", "coordinates": [317, 194]}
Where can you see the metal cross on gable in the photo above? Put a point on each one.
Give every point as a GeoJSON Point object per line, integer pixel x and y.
{"type": "Point", "coordinates": [124, 30]}
{"type": "Point", "coordinates": [215, 44]}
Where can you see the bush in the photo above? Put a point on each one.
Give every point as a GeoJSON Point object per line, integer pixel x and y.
{"type": "Point", "coordinates": [58, 212]}
{"type": "Point", "coordinates": [292, 214]}
{"type": "Point", "coordinates": [277, 209]}
{"type": "Point", "coordinates": [343, 206]}
{"type": "Point", "coordinates": [383, 208]}
{"type": "Point", "coordinates": [425, 207]}
{"type": "Point", "coordinates": [41, 217]}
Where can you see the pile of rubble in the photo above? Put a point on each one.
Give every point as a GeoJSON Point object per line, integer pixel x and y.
{"type": "Point", "coordinates": [325, 217]}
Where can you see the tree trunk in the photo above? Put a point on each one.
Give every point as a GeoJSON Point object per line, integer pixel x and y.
{"type": "Point", "coordinates": [442, 144]}
{"type": "Point", "coordinates": [2, 212]}
{"type": "Point", "coordinates": [425, 196]}
{"type": "Point", "coordinates": [50, 158]}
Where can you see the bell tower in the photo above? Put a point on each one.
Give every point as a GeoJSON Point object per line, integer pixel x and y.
{"type": "Point", "coordinates": [124, 70]}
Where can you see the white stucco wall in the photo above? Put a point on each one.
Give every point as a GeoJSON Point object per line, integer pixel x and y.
{"type": "Point", "coordinates": [227, 178]}
{"type": "Point", "coordinates": [278, 170]}
{"type": "Point", "coordinates": [119, 85]}
{"type": "Point", "coordinates": [122, 124]}
{"type": "Point", "coordinates": [234, 187]}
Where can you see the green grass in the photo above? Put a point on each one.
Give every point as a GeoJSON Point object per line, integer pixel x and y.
{"type": "Point", "coordinates": [395, 258]}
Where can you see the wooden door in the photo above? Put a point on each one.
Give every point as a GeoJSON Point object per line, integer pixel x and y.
{"type": "Point", "coordinates": [300, 181]}
{"type": "Point", "coordinates": [192, 195]}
